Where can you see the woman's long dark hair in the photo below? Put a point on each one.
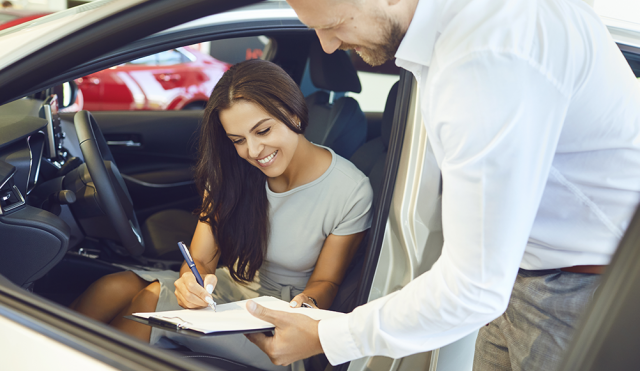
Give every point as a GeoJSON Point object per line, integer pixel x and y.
{"type": "Point", "coordinates": [235, 201]}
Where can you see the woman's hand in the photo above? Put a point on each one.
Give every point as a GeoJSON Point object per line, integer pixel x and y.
{"type": "Point", "coordinates": [191, 295]}
{"type": "Point", "coordinates": [301, 298]}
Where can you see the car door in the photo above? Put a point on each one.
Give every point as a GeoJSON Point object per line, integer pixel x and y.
{"type": "Point", "coordinates": [608, 336]}
{"type": "Point", "coordinates": [154, 145]}
{"type": "Point", "coordinates": [155, 152]}
{"type": "Point", "coordinates": [26, 315]}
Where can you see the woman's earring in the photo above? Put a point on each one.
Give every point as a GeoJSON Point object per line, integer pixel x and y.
{"type": "Point", "coordinates": [299, 126]}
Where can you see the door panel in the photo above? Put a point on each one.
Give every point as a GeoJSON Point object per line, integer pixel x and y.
{"type": "Point", "coordinates": [156, 152]}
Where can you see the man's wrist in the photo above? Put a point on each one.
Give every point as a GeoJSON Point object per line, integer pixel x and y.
{"type": "Point", "coordinates": [336, 340]}
{"type": "Point", "coordinates": [317, 344]}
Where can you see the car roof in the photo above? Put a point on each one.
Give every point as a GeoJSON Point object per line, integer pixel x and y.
{"type": "Point", "coordinates": [22, 12]}
{"type": "Point", "coordinates": [22, 40]}
{"type": "Point", "coordinates": [42, 32]}
{"type": "Point", "coordinates": [268, 10]}
{"type": "Point", "coordinates": [623, 32]}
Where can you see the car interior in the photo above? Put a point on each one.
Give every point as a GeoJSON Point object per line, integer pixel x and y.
{"type": "Point", "coordinates": [69, 228]}
{"type": "Point", "coordinates": [74, 227]}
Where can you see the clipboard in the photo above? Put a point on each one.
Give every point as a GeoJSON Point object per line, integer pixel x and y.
{"type": "Point", "coordinates": [171, 327]}
{"type": "Point", "coordinates": [230, 318]}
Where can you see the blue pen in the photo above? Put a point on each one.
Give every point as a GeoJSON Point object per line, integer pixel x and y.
{"type": "Point", "coordinates": [192, 265]}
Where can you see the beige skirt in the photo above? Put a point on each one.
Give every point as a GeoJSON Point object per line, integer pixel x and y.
{"type": "Point", "coordinates": [233, 347]}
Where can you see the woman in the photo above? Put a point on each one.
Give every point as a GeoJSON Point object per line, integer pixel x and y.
{"type": "Point", "coordinates": [281, 217]}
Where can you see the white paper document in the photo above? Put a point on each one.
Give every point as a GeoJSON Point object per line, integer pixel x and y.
{"type": "Point", "coordinates": [232, 316]}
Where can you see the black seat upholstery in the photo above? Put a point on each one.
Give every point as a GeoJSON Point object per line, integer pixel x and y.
{"type": "Point", "coordinates": [340, 125]}
{"type": "Point", "coordinates": [370, 159]}
{"type": "Point", "coordinates": [163, 230]}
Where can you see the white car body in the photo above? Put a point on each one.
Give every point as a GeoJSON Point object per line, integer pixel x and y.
{"type": "Point", "coordinates": [412, 235]}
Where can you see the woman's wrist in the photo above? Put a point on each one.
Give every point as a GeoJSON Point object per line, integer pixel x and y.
{"type": "Point", "coordinates": [315, 303]}
{"type": "Point", "coordinates": [310, 299]}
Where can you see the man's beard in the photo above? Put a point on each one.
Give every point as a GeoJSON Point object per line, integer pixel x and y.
{"type": "Point", "coordinates": [384, 51]}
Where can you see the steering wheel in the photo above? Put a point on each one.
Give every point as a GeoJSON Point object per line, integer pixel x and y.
{"type": "Point", "coordinates": [111, 189]}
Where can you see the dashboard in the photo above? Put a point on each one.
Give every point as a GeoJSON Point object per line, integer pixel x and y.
{"type": "Point", "coordinates": [33, 160]}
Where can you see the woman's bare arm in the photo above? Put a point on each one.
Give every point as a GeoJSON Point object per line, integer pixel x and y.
{"type": "Point", "coordinates": [204, 251]}
{"type": "Point", "coordinates": [335, 257]}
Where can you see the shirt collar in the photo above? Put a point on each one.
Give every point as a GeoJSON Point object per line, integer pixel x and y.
{"type": "Point", "coordinates": [418, 43]}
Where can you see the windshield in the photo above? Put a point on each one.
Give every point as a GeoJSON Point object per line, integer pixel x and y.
{"type": "Point", "coordinates": [24, 39]}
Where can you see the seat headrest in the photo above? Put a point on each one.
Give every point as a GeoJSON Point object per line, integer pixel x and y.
{"type": "Point", "coordinates": [387, 115]}
{"type": "Point", "coordinates": [333, 72]}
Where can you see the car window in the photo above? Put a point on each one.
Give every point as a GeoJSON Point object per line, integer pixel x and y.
{"type": "Point", "coordinates": [167, 58]}
{"type": "Point", "coordinates": [634, 62]}
{"type": "Point", "coordinates": [239, 49]}
{"type": "Point", "coordinates": [4, 18]}
{"type": "Point", "coordinates": [374, 80]}
{"type": "Point", "coordinates": [175, 79]}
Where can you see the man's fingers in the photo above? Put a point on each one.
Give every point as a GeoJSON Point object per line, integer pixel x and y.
{"type": "Point", "coordinates": [263, 313]}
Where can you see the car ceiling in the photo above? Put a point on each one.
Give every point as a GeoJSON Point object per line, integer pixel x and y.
{"type": "Point", "coordinates": [28, 74]}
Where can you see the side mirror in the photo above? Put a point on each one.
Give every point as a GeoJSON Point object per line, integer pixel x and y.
{"type": "Point", "coordinates": [67, 93]}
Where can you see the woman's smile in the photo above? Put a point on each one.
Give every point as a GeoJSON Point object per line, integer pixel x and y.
{"type": "Point", "coordinates": [268, 160]}
{"type": "Point", "coordinates": [259, 138]}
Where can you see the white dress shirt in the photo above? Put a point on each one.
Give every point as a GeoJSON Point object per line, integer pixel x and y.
{"type": "Point", "coordinates": [534, 118]}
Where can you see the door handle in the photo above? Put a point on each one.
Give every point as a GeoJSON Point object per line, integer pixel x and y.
{"type": "Point", "coordinates": [166, 77]}
{"type": "Point", "coordinates": [124, 143]}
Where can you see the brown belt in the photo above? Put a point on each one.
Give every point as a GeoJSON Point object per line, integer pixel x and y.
{"type": "Point", "coordinates": [590, 269]}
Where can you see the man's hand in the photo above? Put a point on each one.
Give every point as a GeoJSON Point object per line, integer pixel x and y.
{"type": "Point", "coordinates": [295, 337]}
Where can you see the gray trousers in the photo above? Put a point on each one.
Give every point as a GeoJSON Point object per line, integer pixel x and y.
{"type": "Point", "coordinates": [535, 330]}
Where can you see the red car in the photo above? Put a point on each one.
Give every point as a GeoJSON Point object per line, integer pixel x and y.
{"type": "Point", "coordinates": [14, 17]}
{"type": "Point", "coordinates": [175, 79]}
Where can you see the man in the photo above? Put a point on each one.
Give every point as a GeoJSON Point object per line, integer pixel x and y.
{"type": "Point", "coordinates": [534, 119]}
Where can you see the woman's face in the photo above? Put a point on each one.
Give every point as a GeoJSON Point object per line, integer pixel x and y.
{"type": "Point", "coordinates": [263, 141]}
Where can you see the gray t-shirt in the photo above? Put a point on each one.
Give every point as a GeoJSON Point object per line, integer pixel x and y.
{"type": "Point", "coordinates": [338, 202]}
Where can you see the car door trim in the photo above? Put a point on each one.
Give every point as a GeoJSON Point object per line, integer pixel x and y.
{"type": "Point", "coordinates": [156, 185]}
{"type": "Point", "coordinates": [378, 226]}
{"type": "Point", "coordinates": [87, 336]}
{"type": "Point", "coordinates": [380, 219]}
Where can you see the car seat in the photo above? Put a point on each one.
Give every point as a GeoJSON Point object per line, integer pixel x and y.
{"type": "Point", "coordinates": [163, 230]}
{"type": "Point", "coordinates": [340, 125]}
{"type": "Point", "coordinates": [370, 159]}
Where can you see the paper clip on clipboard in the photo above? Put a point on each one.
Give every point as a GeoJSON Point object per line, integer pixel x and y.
{"type": "Point", "coordinates": [175, 323]}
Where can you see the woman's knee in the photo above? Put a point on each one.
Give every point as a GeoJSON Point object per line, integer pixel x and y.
{"type": "Point", "coordinates": [120, 283]}
{"type": "Point", "coordinates": [147, 299]}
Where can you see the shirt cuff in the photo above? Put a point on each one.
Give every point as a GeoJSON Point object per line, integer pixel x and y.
{"type": "Point", "coordinates": [337, 342]}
